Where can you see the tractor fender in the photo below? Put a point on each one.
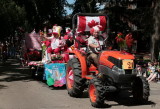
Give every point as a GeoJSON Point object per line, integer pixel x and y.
{"type": "Point", "coordinates": [82, 60]}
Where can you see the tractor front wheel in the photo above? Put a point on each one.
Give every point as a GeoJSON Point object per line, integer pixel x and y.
{"type": "Point", "coordinates": [96, 93]}
{"type": "Point", "coordinates": [141, 90]}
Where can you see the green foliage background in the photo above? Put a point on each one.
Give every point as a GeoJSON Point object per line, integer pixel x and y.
{"type": "Point", "coordinates": [28, 14]}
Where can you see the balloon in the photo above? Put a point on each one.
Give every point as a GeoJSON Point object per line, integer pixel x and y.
{"type": "Point", "coordinates": [50, 81]}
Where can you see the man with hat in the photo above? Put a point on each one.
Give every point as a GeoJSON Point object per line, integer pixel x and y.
{"type": "Point", "coordinates": [95, 43]}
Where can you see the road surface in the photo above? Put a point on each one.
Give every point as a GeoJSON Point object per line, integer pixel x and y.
{"type": "Point", "coordinates": [19, 91]}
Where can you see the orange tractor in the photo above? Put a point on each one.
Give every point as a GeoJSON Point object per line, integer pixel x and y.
{"type": "Point", "coordinates": [115, 72]}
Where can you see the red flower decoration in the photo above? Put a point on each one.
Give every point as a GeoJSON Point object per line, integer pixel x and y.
{"type": "Point", "coordinates": [34, 56]}
{"type": "Point", "coordinates": [119, 38]}
{"type": "Point", "coordinates": [119, 35]}
{"type": "Point", "coordinates": [129, 40]}
{"type": "Point", "coordinates": [120, 41]}
{"type": "Point", "coordinates": [92, 23]}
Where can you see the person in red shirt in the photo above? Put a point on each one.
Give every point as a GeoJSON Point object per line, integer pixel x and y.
{"type": "Point", "coordinates": [80, 40]}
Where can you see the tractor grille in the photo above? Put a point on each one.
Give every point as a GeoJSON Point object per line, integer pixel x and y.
{"type": "Point", "coordinates": [115, 61]}
{"type": "Point", "coordinates": [128, 71]}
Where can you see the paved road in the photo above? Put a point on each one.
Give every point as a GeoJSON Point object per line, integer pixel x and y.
{"type": "Point", "coordinates": [19, 91]}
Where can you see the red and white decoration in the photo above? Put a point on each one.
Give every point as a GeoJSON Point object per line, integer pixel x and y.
{"type": "Point", "coordinates": [85, 23]}
{"type": "Point", "coordinates": [95, 28]}
{"type": "Point", "coordinates": [56, 30]}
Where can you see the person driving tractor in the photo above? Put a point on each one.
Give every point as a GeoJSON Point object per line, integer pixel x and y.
{"type": "Point", "coordinates": [95, 43]}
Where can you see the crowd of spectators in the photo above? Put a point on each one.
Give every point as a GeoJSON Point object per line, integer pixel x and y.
{"type": "Point", "coordinates": [148, 69]}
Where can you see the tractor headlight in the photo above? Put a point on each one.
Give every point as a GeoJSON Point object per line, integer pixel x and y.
{"type": "Point", "coordinates": [118, 70]}
{"type": "Point", "coordinates": [134, 71]}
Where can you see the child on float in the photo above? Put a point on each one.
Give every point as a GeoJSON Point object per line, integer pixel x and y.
{"type": "Point", "coordinates": [56, 42]}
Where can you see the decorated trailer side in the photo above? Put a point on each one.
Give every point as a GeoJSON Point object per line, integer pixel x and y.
{"type": "Point", "coordinates": [36, 57]}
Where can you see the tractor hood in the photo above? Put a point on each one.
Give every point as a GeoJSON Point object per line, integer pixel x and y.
{"type": "Point", "coordinates": [110, 58]}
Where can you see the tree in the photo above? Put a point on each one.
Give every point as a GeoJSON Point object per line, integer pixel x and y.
{"type": "Point", "coordinates": [135, 16]}
{"type": "Point", "coordinates": [85, 6]}
{"type": "Point", "coordinates": [156, 36]}
{"type": "Point", "coordinates": [11, 16]}
{"type": "Point", "coordinates": [40, 11]}
{"type": "Point", "coordinates": [30, 13]}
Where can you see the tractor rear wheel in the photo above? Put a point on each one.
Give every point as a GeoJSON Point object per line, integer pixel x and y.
{"type": "Point", "coordinates": [74, 82]}
{"type": "Point", "coordinates": [96, 93]}
{"type": "Point", "coordinates": [141, 90]}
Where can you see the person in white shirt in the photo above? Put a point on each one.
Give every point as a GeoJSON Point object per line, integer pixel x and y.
{"type": "Point", "coordinates": [56, 42]}
{"type": "Point", "coordinates": [152, 70]}
{"type": "Point", "coordinates": [95, 43]}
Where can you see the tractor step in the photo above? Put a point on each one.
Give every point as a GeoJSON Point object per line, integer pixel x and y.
{"type": "Point", "coordinates": [92, 72]}
{"type": "Point", "coordinates": [89, 76]}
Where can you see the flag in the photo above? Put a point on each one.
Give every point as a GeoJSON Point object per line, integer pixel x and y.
{"type": "Point", "coordinates": [85, 23]}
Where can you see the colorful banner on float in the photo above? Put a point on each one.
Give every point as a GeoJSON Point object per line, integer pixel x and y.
{"type": "Point", "coordinates": [55, 74]}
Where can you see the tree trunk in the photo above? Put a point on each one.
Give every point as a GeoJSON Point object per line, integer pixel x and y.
{"type": "Point", "coordinates": [156, 36]}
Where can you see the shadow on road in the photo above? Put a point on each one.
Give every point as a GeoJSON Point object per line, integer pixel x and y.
{"type": "Point", "coordinates": [12, 71]}
{"type": "Point", "coordinates": [123, 98]}
{"type": "Point", "coordinates": [58, 88]}
{"type": "Point", "coordinates": [3, 86]}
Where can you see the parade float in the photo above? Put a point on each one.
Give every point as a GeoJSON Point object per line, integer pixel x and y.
{"type": "Point", "coordinates": [35, 56]}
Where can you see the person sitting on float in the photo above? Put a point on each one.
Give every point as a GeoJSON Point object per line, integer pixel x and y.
{"type": "Point", "coordinates": [68, 37]}
{"type": "Point", "coordinates": [56, 42]}
{"type": "Point", "coordinates": [47, 43]}
{"type": "Point", "coordinates": [81, 40]}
